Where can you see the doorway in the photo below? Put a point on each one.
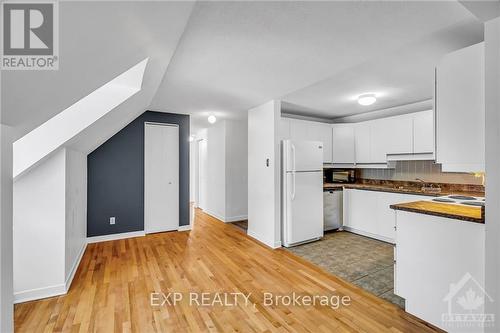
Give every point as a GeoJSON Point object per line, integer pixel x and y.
{"type": "Point", "coordinates": [161, 177]}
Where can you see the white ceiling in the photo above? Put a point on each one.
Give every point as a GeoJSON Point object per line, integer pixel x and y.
{"type": "Point", "coordinates": [227, 57]}
{"type": "Point", "coordinates": [398, 78]}
{"type": "Point", "coordinates": [236, 55]}
{"type": "Point", "coordinates": [97, 41]}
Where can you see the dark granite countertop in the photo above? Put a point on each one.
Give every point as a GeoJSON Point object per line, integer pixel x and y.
{"type": "Point", "coordinates": [405, 188]}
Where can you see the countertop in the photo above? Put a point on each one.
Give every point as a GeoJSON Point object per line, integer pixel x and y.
{"type": "Point", "coordinates": [397, 189]}
{"type": "Point", "coordinates": [458, 212]}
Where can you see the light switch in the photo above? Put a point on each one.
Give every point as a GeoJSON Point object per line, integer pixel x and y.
{"type": "Point", "coordinates": [112, 220]}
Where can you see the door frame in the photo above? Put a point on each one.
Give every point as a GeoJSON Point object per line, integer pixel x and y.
{"type": "Point", "coordinates": [146, 123]}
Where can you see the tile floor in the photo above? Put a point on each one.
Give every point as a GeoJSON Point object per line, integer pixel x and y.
{"type": "Point", "coordinates": [363, 261]}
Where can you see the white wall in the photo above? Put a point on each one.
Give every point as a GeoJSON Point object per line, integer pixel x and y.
{"type": "Point", "coordinates": [50, 225]}
{"type": "Point", "coordinates": [492, 98]}
{"type": "Point", "coordinates": [76, 211]}
{"type": "Point", "coordinates": [264, 181]}
{"type": "Point", "coordinates": [39, 232]}
{"type": "Point", "coordinates": [216, 170]}
{"type": "Point", "coordinates": [226, 170]}
{"type": "Point", "coordinates": [6, 288]}
{"type": "Point", "coordinates": [236, 170]}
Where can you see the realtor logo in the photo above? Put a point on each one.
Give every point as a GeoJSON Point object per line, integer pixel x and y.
{"type": "Point", "coordinates": [29, 36]}
{"type": "Point", "coordinates": [466, 301]}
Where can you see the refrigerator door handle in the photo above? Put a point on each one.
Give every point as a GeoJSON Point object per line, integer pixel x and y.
{"type": "Point", "coordinates": [293, 186]}
{"type": "Point", "coordinates": [293, 157]}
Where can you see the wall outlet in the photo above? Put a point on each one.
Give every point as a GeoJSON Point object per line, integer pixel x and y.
{"type": "Point", "coordinates": [112, 220]}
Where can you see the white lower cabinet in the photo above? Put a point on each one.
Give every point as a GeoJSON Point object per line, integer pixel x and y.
{"type": "Point", "coordinates": [368, 213]}
{"type": "Point", "coordinates": [439, 269]}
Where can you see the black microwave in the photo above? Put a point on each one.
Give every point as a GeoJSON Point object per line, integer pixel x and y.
{"type": "Point", "coordinates": [341, 176]}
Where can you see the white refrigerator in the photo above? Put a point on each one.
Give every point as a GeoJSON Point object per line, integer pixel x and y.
{"type": "Point", "coordinates": [302, 191]}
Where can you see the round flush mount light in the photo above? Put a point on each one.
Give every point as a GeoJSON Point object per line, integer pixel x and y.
{"type": "Point", "coordinates": [367, 99]}
{"type": "Point", "coordinates": [212, 119]}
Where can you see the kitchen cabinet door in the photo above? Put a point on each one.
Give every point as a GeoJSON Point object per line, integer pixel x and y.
{"type": "Point", "coordinates": [379, 141]}
{"type": "Point", "coordinates": [423, 132]}
{"type": "Point", "coordinates": [362, 142]}
{"type": "Point", "coordinates": [399, 134]}
{"type": "Point", "coordinates": [361, 208]}
{"type": "Point", "coordinates": [385, 216]}
{"type": "Point", "coordinates": [322, 132]}
{"type": "Point", "coordinates": [392, 135]}
{"type": "Point", "coordinates": [343, 144]}
{"type": "Point", "coordinates": [460, 110]}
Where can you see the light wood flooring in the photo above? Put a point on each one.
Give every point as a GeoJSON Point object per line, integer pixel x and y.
{"type": "Point", "coordinates": [112, 289]}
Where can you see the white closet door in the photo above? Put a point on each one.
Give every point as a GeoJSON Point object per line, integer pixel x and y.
{"type": "Point", "coordinates": [161, 177]}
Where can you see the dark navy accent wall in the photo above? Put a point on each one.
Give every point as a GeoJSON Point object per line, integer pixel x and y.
{"type": "Point", "coordinates": [115, 173]}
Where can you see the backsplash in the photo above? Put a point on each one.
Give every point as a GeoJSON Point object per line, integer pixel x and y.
{"type": "Point", "coordinates": [425, 170]}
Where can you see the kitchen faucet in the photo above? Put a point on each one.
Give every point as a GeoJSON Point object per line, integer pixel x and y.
{"type": "Point", "coordinates": [428, 187]}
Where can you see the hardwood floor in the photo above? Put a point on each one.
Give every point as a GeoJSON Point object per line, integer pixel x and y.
{"type": "Point", "coordinates": [112, 289]}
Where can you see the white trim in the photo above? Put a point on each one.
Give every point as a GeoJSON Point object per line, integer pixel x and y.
{"type": "Point", "coordinates": [226, 219]}
{"type": "Point", "coordinates": [71, 275]}
{"type": "Point", "coordinates": [236, 218]}
{"type": "Point", "coordinates": [272, 244]}
{"type": "Point", "coordinates": [369, 234]}
{"type": "Point", "coordinates": [123, 235]}
{"type": "Point", "coordinates": [184, 227]}
{"type": "Point", "coordinates": [39, 293]}
{"type": "Point", "coordinates": [146, 124]}
{"type": "Point", "coordinates": [220, 218]}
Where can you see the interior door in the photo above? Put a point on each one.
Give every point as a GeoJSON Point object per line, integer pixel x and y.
{"type": "Point", "coordinates": [161, 177]}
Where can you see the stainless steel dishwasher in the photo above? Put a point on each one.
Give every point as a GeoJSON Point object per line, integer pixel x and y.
{"type": "Point", "coordinates": [332, 209]}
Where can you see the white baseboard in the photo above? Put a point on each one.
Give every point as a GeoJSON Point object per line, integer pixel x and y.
{"type": "Point", "coordinates": [369, 234]}
{"type": "Point", "coordinates": [51, 291]}
{"type": "Point", "coordinates": [74, 268]}
{"type": "Point", "coordinates": [236, 218]}
{"type": "Point", "coordinates": [184, 227]}
{"type": "Point", "coordinates": [226, 219]}
{"type": "Point", "coordinates": [39, 293]}
{"type": "Point", "coordinates": [218, 217]}
{"type": "Point", "coordinates": [271, 244]}
{"type": "Point", "coordinates": [123, 235]}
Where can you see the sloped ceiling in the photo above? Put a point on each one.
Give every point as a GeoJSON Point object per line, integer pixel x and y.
{"type": "Point", "coordinates": [236, 55]}
{"type": "Point", "coordinates": [227, 57]}
{"type": "Point", "coordinates": [98, 41]}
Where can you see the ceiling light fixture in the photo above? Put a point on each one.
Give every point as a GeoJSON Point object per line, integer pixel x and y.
{"type": "Point", "coordinates": [367, 99]}
{"type": "Point", "coordinates": [212, 119]}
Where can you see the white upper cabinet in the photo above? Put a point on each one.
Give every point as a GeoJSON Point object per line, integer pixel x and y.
{"type": "Point", "coordinates": [362, 142]}
{"type": "Point", "coordinates": [379, 141]}
{"type": "Point", "coordinates": [343, 144]}
{"type": "Point", "coordinates": [303, 130]}
{"type": "Point", "coordinates": [322, 132]}
{"type": "Point", "coordinates": [373, 142]}
{"type": "Point", "coordinates": [398, 133]}
{"type": "Point", "coordinates": [460, 110]}
{"type": "Point", "coordinates": [423, 132]}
